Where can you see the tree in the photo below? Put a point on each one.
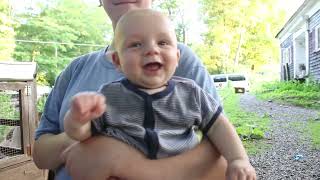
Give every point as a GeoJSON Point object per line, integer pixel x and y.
{"type": "Point", "coordinates": [7, 33]}
{"type": "Point", "coordinates": [176, 14]}
{"type": "Point", "coordinates": [241, 32]}
{"type": "Point", "coordinates": [62, 24]}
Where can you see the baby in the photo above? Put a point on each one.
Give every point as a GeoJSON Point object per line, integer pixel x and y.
{"type": "Point", "coordinates": [150, 108]}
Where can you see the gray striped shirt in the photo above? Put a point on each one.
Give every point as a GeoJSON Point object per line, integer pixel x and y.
{"type": "Point", "coordinates": [162, 124]}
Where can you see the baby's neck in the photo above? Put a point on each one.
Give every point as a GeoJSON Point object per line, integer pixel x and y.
{"type": "Point", "coordinates": [153, 91]}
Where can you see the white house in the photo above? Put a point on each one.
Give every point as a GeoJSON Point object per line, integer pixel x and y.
{"type": "Point", "coordinates": [300, 43]}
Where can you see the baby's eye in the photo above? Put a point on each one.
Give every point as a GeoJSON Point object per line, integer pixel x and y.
{"type": "Point", "coordinates": [135, 45]}
{"type": "Point", "coordinates": [163, 43]}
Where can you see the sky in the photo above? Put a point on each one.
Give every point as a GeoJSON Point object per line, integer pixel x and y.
{"type": "Point", "coordinates": [291, 6]}
{"type": "Point", "coordinates": [194, 34]}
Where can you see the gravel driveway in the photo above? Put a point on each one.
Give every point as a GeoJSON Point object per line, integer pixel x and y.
{"type": "Point", "coordinates": [290, 155]}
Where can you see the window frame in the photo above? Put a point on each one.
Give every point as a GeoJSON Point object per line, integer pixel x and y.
{"type": "Point", "coordinates": [317, 36]}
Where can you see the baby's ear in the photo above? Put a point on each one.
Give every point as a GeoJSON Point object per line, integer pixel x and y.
{"type": "Point", "coordinates": [178, 56]}
{"type": "Point", "coordinates": [116, 60]}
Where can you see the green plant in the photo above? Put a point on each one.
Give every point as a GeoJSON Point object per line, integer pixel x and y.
{"type": "Point", "coordinates": [7, 110]}
{"type": "Point", "coordinates": [41, 103]}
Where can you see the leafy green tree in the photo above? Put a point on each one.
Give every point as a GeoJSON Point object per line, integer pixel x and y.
{"type": "Point", "coordinates": [63, 27]}
{"type": "Point", "coordinates": [241, 32]}
{"type": "Point", "coordinates": [202, 50]}
{"type": "Point", "coordinates": [7, 42]}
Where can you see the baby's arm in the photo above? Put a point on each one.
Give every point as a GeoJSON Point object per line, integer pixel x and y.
{"type": "Point", "coordinates": [84, 107]}
{"type": "Point", "coordinates": [226, 139]}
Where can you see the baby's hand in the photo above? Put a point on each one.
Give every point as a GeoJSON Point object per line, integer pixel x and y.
{"type": "Point", "coordinates": [87, 106]}
{"type": "Point", "coordinates": [240, 169]}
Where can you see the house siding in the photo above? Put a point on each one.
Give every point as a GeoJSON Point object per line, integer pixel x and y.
{"type": "Point", "coordinates": [288, 43]}
{"type": "Point", "coordinates": [314, 57]}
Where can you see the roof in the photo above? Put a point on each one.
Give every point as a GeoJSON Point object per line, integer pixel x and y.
{"type": "Point", "coordinates": [293, 16]}
{"type": "Point", "coordinates": [17, 71]}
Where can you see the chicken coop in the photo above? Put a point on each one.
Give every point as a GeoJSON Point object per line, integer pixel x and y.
{"type": "Point", "coordinates": [18, 120]}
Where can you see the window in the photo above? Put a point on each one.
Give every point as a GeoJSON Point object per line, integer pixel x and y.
{"type": "Point", "coordinates": [236, 78]}
{"type": "Point", "coordinates": [286, 55]}
{"type": "Point", "coordinates": [317, 38]}
{"type": "Point", "coordinates": [220, 79]}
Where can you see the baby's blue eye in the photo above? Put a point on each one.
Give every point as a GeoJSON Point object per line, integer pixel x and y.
{"type": "Point", "coordinates": [163, 43]}
{"type": "Point", "coordinates": [135, 45]}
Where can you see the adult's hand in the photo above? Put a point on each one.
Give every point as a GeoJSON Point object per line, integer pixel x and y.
{"type": "Point", "coordinates": [98, 159]}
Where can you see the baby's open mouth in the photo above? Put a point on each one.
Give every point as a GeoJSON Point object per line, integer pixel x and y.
{"type": "Point", "coordinates": [153, 66]}
{"type": "Point", "coordinates": [120, 2]}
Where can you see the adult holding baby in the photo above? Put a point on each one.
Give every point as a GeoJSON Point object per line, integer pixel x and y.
{"type": "Point", "coordinates": [99, 157]}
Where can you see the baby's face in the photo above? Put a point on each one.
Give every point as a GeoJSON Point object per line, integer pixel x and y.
{"type": "Point", "coordinates": [146, 48]}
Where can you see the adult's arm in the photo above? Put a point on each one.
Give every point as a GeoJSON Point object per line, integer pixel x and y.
{"type": "Point", "coordinates": [202, 163]}
{"type": "Point", "coordinates": [103, 157]}
{"type": "Point", "coordinates": [48, 148]}
{"type": "Point", "coordinates": [49, 140]}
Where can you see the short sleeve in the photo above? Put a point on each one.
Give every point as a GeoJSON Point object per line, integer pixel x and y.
{"type": "Point", "coordinates": [209, 109]}
{"type": "Point", "coordinates": [49, 122]}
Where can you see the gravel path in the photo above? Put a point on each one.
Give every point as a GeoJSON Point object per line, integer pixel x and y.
{"type": "Point", "coordinates": [290, 155]}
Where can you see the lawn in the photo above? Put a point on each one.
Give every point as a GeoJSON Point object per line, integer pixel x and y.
{"type": "Point", "coordinates": [250, 127]}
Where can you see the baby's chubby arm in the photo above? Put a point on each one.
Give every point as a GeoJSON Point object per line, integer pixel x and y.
{"type": "Point", "coordinates": [85, 107]}
{"type": "Point", "coordinates": [226, 139]}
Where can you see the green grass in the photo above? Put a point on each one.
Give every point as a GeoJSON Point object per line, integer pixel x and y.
{"type": "Point", "coordinates": [314, 127]}
{"type": "Point", "coordinates": [250, 127]}
{"type": "Point", "coordinates": [291, 92]}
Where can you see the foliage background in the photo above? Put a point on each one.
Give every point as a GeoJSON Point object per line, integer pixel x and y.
{"type": "Point", "coordinates": [237, 35]}
{"type": "Point", "coordinates": [66, 26]}
{"type": "Point", "coordinates": [7, 33]}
